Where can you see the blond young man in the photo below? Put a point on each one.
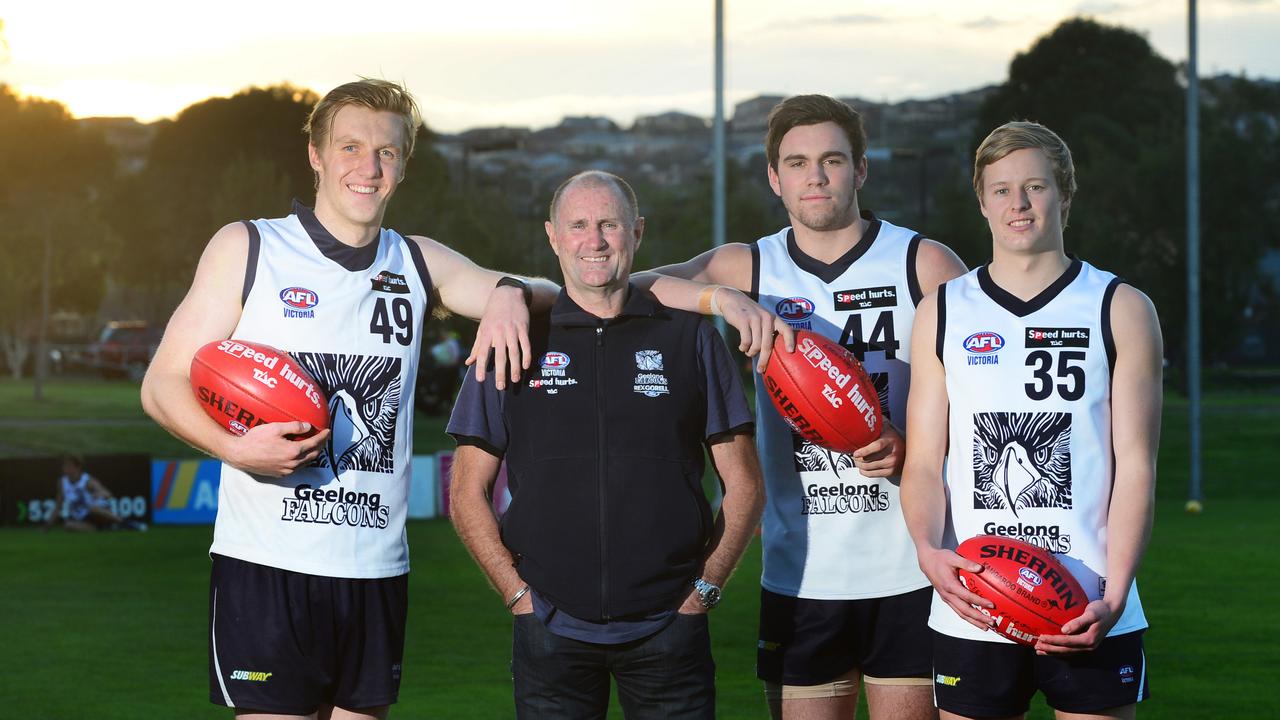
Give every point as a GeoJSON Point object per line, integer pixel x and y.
{"type": "Point", "coordinates": [1036, 378]}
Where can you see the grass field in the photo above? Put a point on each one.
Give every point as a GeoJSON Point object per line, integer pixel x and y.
{"type": "Point", "coordinates": [113, 625]}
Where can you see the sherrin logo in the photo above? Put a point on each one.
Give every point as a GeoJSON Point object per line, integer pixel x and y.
{"type": "Point", "coordinates": [794, 309]}
{"type": "Point", "coordinates": [299, 297]}
{"type": "Point", "coordinates": [983, 342]}
{"type": "Point", "coordinates": [557, 360]}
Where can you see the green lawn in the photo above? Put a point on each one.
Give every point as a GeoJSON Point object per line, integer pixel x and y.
{"type": "Point", "coordinates": [105, 416]}
{"type": "Point", "coordinates": [113, 625]}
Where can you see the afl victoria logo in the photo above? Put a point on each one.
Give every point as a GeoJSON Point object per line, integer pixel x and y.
{"type": "Point", "coordinates": [983, 342]}
{"type": "Point", "coordinates": [794, 309]}
{"type": "Point", "coordinates": [555, 360]}
{"type": "Point", "coordinates": [299, 297]}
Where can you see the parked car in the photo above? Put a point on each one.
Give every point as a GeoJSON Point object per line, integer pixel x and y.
{"type": "Point", "coordinates": [124, 349]}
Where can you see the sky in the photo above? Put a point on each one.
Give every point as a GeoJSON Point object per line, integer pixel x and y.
{"type": "Point", "coordinates": [523, 63]}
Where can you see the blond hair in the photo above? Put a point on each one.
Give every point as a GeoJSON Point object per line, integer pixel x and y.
{"type": "Point", "coordinates": [1024, 135]}
{"type": "Point", "coordinates": [371, 93]}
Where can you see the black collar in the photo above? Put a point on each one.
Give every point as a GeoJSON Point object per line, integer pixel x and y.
{"type": "Point", "coordinates": [355, 259]}
{"type": "Point", "coordinates": [639, 303]}
{"type": "Point", "coordinates": [1023, 308]}
{"type": "Point", "coordinates": [829, 273]}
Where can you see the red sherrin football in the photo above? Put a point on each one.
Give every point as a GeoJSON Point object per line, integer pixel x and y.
{"type": "Point", "coordinates": [823, 393]}
{"type": "Point", "coordinates": [1033, 592]}
{"type": "Point", "coordinates": [243, 384]}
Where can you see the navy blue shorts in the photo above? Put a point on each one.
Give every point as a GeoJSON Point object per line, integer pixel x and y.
{"type": "Point", "coordinates": [978, 679]}
{"type": "Point", "coordinates": [811, 642]}
{"type": "Point", "coordinates": [287, 642]}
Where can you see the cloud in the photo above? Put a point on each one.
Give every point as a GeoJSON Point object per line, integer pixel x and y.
{"type": "Point", "coordinates": [814, 23]}
{"type": "Point", "coordinates": [984, 23]}
{"type": "Point", "coordinates": [1102, 8]}
{"type": "Point", "coordinates": [858, 19]}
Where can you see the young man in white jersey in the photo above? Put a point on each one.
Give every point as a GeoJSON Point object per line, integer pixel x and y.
{"type": "Point", "coordinates": [1037, 378]}
{"type": "Point", "coordinates": [84, 500]}
{"type": "Point", "coordinates": [323, 517]}
{"type": "Point", "coordinates": [842, 599]}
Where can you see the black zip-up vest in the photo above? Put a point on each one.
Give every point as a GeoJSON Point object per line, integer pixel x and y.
{"type": "Point", "coordinates": [605, 458]}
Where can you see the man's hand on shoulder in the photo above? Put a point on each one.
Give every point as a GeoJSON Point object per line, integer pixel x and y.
{"type": "Point", "coordinates": [269, 450]}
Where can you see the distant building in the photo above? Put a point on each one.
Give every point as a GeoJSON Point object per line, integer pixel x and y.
{"type": "Point", "coordinates": [753, 115]}
{"type": "Point", "coordinates": [672, 122]}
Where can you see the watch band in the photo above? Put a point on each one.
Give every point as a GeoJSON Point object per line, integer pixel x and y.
{"type": "Point", "coordinates": [508, 281]}
{"type": "Point", "coordinates": [708, 593]}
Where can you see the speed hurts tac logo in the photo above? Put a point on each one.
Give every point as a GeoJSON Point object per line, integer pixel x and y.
{"type": "Point", "coordinates": [389, 282]}
{"type": "Point", "coordinates": [865, 298]}
{"type": "Point", "coordinates": [983, 347]}
{"type": "Point", "coordinates": [796, 311]}
{"type": "Point", "coordinates": [299, 302]}
{"type": "Point", "coordinates": [1057, 337]}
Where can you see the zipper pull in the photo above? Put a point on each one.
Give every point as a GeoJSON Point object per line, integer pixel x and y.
{"type": "Point", "coordinates": [599, 336]}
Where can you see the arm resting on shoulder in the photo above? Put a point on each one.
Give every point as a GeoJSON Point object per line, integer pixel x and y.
{"type": "Point", "coordinates": [471, 291]}
{"type": "Point", "coordinates": [716, 283]}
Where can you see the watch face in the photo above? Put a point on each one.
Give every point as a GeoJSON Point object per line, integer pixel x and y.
{"type": "Point", "coordinates": [708, 593]}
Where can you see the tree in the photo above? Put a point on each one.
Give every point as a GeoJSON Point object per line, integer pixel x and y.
{"type": "Point", "coordinates": [51, 174]}
{"type": "Point", "coordinates": [220, 160]}
{"type": "Point", "coordinates": [1121, 109]}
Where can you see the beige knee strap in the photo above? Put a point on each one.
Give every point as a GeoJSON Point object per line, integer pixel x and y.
{"type": "Point", "coordinates": [842, 686]}
{"type": "Point", "coordinates": [900, 681]}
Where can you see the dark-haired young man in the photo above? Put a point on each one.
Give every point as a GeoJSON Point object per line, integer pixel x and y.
{"type": "Point", "coordinates": [843, 599]}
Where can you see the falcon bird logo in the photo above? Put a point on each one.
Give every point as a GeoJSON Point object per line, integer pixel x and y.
{"type": "Point", "coordinates": [1021, 460]}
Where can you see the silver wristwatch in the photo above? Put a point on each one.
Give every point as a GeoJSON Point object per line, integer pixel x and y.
{"type": "Point", "coordinates": [708, 593]}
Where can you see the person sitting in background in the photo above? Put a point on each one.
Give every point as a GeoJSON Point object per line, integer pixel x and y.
{"type": "Point", "coordinates": [84, 499]}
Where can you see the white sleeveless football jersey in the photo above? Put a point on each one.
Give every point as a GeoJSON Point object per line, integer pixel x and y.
{"type": "Point", "coordinates": [352, 318]}
{"type": "Point", "coordinates": [1029, 384]}
{"type": "Point", "coordinates": [829, 532]}
{"type": "Point", "coordinates": [78, 501]}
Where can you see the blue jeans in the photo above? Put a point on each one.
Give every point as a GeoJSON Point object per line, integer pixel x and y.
{"type": "Point", "coordinates": [667, 675]}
